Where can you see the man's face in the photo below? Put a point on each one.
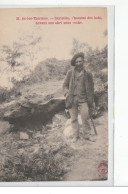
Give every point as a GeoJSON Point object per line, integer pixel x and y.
{"type": "Point", "coordinates": [79, 62]}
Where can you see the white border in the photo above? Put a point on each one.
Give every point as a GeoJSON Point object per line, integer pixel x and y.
{"type": "Point", "coordinates": [108, 182]}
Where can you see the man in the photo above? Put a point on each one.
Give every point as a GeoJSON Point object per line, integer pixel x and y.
{"type": "Point", "coordinates": [78, 89]}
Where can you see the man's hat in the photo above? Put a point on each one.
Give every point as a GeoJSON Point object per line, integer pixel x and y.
{"type": "Point", "coordinates": [75, 57]}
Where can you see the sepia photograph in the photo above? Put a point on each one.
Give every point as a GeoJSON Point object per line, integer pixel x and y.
{"type": "Point", "coordinates": [54, 94]}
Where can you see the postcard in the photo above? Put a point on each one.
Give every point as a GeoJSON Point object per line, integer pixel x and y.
{"type": "Point", "coordinates": [55, 95]}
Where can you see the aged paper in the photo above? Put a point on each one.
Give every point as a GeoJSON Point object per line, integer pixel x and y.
{"type": "Point", "coordinates": [42, 139]}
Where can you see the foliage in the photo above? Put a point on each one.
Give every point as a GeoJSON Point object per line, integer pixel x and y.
{"type": "Point", "coordinates": [6, 95]}
{"type": "Point", "coordinates": [38, 167]}
{"type": "Point", "coordinates": [10, 55]}
{"type": "Point", "coordinates": [19, 59]}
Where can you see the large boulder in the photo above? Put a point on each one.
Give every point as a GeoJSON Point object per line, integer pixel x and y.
{"type": "Point", "coordinates": [68, 131]}
{"type": "Point", "coordinates": [31, 112]}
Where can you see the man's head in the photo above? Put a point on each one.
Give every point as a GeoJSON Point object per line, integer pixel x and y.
{"type": "Point", "coordinates": [78, 60]}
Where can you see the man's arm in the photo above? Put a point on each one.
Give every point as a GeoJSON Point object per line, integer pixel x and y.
{"type": "Point", "coordinates": [91, 84]}
{"type": "Point", "coordinates": [90, 88]}
{"type": "Point", "coordinates": [66, 84]}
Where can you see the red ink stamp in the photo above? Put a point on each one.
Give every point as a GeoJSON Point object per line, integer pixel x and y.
{"type": "Point", "coordinates": [103, 168]}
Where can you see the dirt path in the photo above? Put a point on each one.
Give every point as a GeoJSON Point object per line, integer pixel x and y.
{"type": "Point", "coordinates": [89, 155]}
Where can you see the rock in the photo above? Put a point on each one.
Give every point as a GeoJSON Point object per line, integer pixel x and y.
{"type": "Point", "coordinates": [4, 127]}
{"type": "Point", "coordinates": [38, 135]}
{"type": "Point", "coordinates": [54, 124]}
{"type": "Point", "coordinates": [57, 118]}
{"type": "Point", "coordinates": [36, 149]}
{"type": "Point", "coordinates": [30, 133]}
{"type": "Point", "coordinates": [25, 113]}
{"type": "Point", "coordinates": [24, 136]}
{"type": "Point", "coordinates": [49, 126]}
{"type": "Point", "coordinates": [68, 122]}
{"type": "Point", "coordinates": [21, 151]}
{"type": "Point", "coordinates": [68, 131]}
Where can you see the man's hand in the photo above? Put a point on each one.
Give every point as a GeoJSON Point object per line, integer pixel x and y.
{"type": "Point", "coordinates": [66, 93]}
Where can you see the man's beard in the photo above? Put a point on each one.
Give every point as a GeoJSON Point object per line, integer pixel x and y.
{"type": "Point", "coordinates": [79, 68]}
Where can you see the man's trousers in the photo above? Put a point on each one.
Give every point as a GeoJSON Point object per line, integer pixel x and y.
{"type": "Point", "coordinates": [84, 113]}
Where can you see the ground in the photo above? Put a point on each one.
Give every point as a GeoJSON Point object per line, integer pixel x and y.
{"type": "Point", "coordinates": [48, 153]}
{"type": "Point", "coordinates": [89, 155]}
